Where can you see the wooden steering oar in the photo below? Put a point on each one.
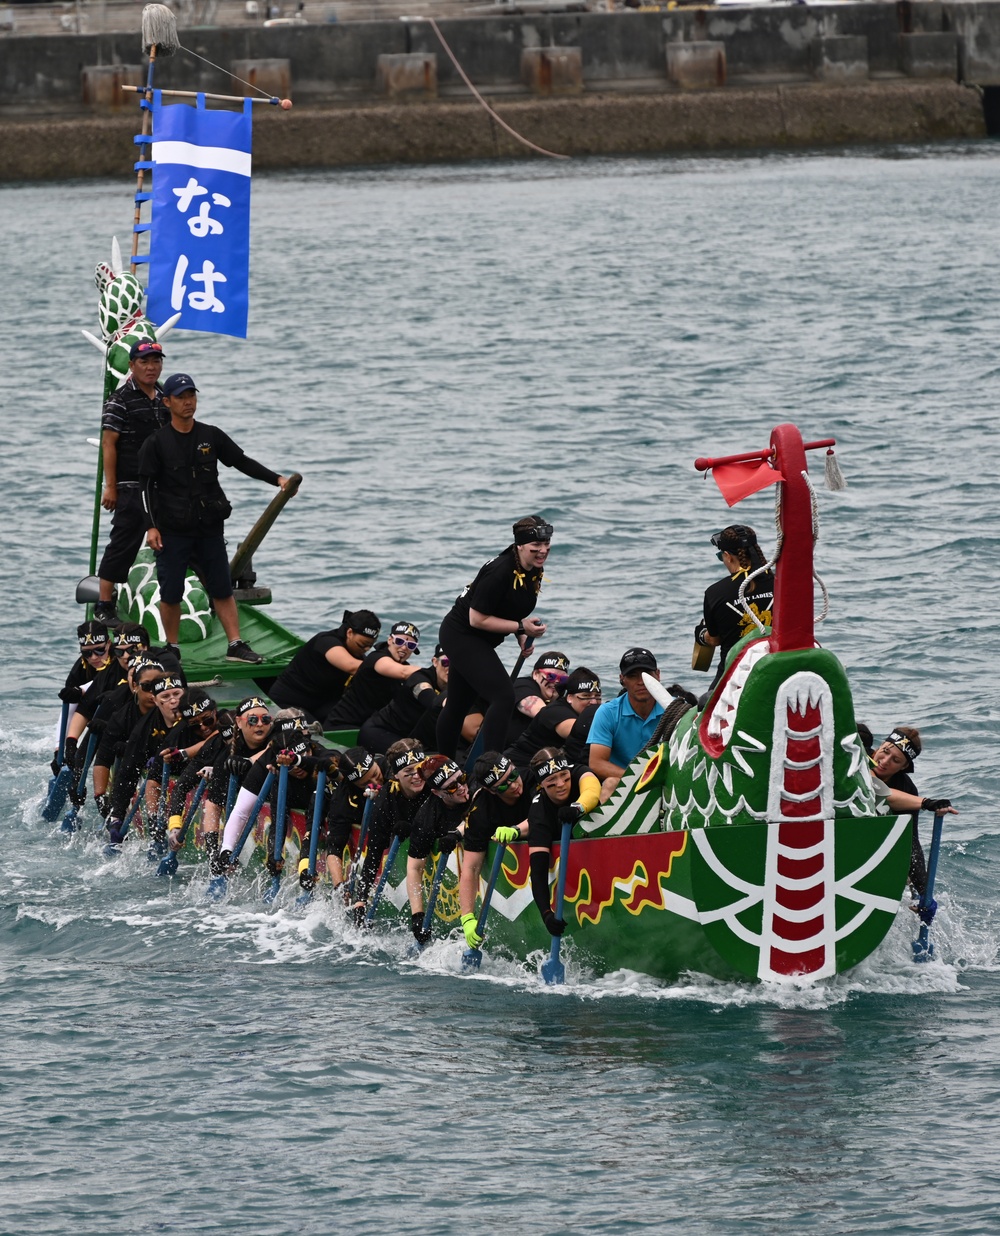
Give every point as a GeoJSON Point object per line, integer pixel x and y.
{"type": "Point", "coordinates": [248, 547]}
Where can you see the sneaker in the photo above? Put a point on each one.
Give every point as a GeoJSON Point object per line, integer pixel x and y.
{"type": "Point", "coordinates": [105, 611]}
{"type": "Point", "coordinates": [240, 650]}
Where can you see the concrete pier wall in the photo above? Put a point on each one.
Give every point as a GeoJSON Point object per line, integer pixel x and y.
{"type": "Point", "coordinates": [904, 71]}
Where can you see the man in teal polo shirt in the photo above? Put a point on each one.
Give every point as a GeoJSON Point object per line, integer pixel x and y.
{"type": "Point", "coordinates": [622, 727]}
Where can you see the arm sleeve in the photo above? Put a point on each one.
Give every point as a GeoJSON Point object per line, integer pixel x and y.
{"type": "Point", "coordinates": [590, 792]}
{"type": "Point", "coordinates": [233, 457]}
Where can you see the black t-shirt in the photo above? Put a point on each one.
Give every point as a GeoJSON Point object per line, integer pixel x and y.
{"type": "Point", "coordinates": [108, 692]}
{"type": "Point", "coordinates": [404, 711]}
{"type": "Point", "coordinates": [540, 732]}
{"type": "Point", "coordinates": [576, 744]}
{"type": "Point", "coordinates": [726, 619]}
{"type": "Point", "coordinates": [368, 692]}
{"type": "Point", "coordinates": [490, 812]}
{"type": "Point", "coordinates": [180, 476]}
{"type": "Point", "coordinates": [310, 681]}
{"type": "Point", "coordinates": [433, 820]}
{"type": "Point", "coordinates": [502, 590]}
{"type": "Point", "coordinates": [133, 416]}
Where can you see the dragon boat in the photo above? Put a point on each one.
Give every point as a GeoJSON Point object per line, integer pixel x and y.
{"type": "Point", "coordinates": [744, 842]}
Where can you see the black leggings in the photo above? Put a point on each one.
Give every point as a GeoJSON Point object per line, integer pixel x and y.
{"type": "Point", "coordinates": [475, 671]}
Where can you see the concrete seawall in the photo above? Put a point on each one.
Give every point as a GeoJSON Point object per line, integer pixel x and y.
{"type": "Point", "coordinates": [578, 83]}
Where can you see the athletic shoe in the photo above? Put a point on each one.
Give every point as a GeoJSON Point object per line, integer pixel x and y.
{"type": "Point", "coordinates": [105, 611]}
{"type": "Point", "coordinates": [240, 650]}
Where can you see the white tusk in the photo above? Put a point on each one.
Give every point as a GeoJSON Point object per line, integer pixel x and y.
{"type": "Point", "coordinates": [656, 689]}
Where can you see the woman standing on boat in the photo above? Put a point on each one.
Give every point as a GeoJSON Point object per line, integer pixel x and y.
{"type": "Point", "coordinates": [496, 604]}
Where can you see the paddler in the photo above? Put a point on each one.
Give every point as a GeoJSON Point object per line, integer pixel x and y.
{"type": "Point", "coordinates": [566, 792]}
{"type": "Point", "coordinates": [725, 620]}
{"type": "Point", "coordinates": [375, 682]}
{"type": "Point", "coordinates": [437, 825]}
{"type": "Point", "coordinates": [499, 811]}
{"type": "Point", "coordinates": [395, 808]}
{"type": "Point", "coordinates": [499, 602]}
{"type": "Point", "coordinates": [358, 779]}
{"type": "Point", "coordinates": [317, 675]}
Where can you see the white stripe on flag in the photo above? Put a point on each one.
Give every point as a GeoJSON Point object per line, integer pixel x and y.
{"type": "Point", "coordinates": [219, 158]}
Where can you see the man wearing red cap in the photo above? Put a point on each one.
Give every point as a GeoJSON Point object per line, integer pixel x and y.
{"type": "Point", "coordinates": [133, 412]}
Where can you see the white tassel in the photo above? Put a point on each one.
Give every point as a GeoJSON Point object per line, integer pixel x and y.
{"type": "Point", "coordinates": [833, 475]}
{"type": "Point", "coordinates": [159, 30]}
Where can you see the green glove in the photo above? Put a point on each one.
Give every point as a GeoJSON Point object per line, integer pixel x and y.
{"type": "Point", "coordinates": [506, 835]}
{"type": "Point", "coordinates": [472, 937]}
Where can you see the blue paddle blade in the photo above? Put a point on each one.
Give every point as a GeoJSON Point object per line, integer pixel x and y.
{"type": "Point", "coordinates": [553, 970]}
{"type": "Point", "coordinates": [272, 892]}
{"type": "Point", "coordinates": [112, 850]}
{"type": "Point", "coordinates": [69, 824]}
{"type": "Point", "coordinates": [472, 959]}
{"type": "Point", "coordinates": [923, 949]}
{"type": "Point", "coordinates": [303, 899]}
{"type": "Point", "coordinates": [58, 788]}
{"type": "Point", "coordinates": [167, 867]}
{"type": "Point", "coordinates": [217, 886]}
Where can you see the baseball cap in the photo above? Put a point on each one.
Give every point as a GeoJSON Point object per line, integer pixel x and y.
{"type": "Point", "coordinates": [583, 680]}
{"type": "Point", "coordinates": [145, 347]}
{"type": "Point", "coordinates": [178, 382]}
{"type": "Point", "coordinates": [636, 659]}
{"type": "Point", "coordinates": [553, 661]}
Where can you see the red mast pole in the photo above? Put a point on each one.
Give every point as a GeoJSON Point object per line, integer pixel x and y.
{"type": "Point", "coordinates": [792, 625]}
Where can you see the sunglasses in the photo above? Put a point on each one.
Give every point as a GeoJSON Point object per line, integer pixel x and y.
{"type": "Point", "coordinates": [454, 787]}
{"type": "Point", "coordinates": [95, 652]}
{"type": "Point", "coordinates": [147, 687]}
{"type": "Point", "coordinates": [554, 677]}
{"type": "Point", "coordinates": [267, 719]}
{"type": "Point", "coordinates": [443, 662]}
{"type": "Point", "coordinates": [205, 720]}
{"type": "Point", "coordinates": [123, 650]}
{"type": "Point", "coordinates": [502, 787]}
{"type": "Point", "coordinates": [405, 643]}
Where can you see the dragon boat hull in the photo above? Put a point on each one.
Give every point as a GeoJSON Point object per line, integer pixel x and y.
{"type": "Point", "coordinates": [716, 901]}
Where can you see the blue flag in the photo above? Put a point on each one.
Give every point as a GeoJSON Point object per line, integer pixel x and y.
{"type": "Point", "coordinates": [199, 254]}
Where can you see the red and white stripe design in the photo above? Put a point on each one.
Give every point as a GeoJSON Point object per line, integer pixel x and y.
{"type": "Point", "coordinates": [799, 926]}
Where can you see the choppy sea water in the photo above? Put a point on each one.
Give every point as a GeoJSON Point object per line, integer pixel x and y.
{"type": "Point", "coordinates": [439, 351]}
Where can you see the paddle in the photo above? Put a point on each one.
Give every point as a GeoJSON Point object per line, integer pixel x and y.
{"type": "Point", "coordinates": [476, 750]}
{"type": "Point", "coordinates": [59, 783]}
{"type": "Point", "coordinates": [168, 864]}
{"type": "Point", "coordinates": [390, 858]}
{"type": "Point", "coordinates": [442, 862]}
{"type": "Point", "coordinates": [356, 857]}
{"type": "Point", "coordinates": [472, 958]}
{"type": "Point", "coordinates": [923, 949]}
{"type": "Point", "coordinates": [280, 815]}
{"type": "Point", "coordinates": [157, 842]}
{"type": "Point", "coordinates": [114, 848]}
{"type": "Point", "coordinates": [305, 897]}
{"type": "Point", "coordinates": [553, 970]}
{"type": "Point", "coordinates": [69, 821]}
{"type": "Point", "coordinates": [217, 884]}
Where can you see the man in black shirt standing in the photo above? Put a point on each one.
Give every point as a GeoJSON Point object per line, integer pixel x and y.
{"type": "Point", "coordinates": [131, 414]}
{"type": "Point", "coordinates": [186, 510]}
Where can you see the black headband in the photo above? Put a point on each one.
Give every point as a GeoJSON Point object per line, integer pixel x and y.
{"type": "Point", "coordinates": [249, 704]}
{"type": "Point", "coordinates": [406, 758]}
{"type": "Point", "coordinates": [557, 764]}
{"type": "Point", "coordinates": [167, 683]}
{"type": "Point", "coordinates": [539, 531]}
{"type": "Point", "coordinates": [198, 708]}
{"type": "Point", "coordinates": [358, 770]}
{"type": "Point", "coordinates": [499, 773]}
{"type": "Point", "coordinates": [904, 744]}
{"type": "Point", "coordinates": [445, 773]}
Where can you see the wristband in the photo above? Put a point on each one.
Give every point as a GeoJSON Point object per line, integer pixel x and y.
{"type": "Point", "coordinates": [520, 629]}
{"type": "Point", "coordinates": [175, 821]}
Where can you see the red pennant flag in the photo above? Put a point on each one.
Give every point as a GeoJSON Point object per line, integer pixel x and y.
{"type": "Point", "coordinates": [739, 480]}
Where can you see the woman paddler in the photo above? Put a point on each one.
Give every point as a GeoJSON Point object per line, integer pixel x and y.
{"type": "Point", "coordinates": [320, 671]}
{"type": "Point", "coordinates": [496, 604]}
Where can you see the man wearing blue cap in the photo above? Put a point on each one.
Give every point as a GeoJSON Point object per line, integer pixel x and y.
{"type": "Point", "coordinates": [131, 414]}
{"type": "Point", "coordinates": [186, 510]}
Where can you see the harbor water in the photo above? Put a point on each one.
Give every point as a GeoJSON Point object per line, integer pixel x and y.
{"type": "Point", "coordinates": [439, 351]}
